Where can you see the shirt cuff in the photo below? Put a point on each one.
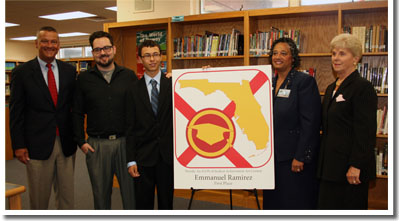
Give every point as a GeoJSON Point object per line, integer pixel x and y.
{"type": "Point", "coordinates": [132, 163]}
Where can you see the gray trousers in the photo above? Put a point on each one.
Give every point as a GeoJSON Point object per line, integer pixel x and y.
{"type": "Point", "coordinates": [109, 158]}
{"type": "Point", "coordinates": [56, 171]}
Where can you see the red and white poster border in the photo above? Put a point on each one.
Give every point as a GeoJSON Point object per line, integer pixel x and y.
{"type": "Point", "coordinates": [213, 100]}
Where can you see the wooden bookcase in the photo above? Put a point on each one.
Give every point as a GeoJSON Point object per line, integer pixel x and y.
{"type": "Point", "coordinates": [124, 35]}
{"type": "Point", "coordinates": [318, 25]}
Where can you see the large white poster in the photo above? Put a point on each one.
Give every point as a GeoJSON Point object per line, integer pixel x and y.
{"type": "Point", "coordinates": [223, 128]}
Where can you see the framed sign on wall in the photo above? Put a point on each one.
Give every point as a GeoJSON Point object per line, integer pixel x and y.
{"type": "Point", "coordinates": [143, 6]}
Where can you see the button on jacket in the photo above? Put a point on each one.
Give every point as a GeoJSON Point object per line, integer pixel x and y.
{"type": "Point", "coordinates": [103, 102]}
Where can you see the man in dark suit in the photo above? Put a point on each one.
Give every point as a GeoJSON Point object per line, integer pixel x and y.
{"type": "Point", "coordinates": [41, 123]}
{"type": "Point", "coordinates": [150, 132]}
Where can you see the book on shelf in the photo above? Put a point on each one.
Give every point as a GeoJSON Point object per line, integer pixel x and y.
{"type": "Point", "coordinates": [164, 68]}
{"type": "Point", "coordinates": [233, 46]}
{"type": "Point", "coordinates": [84, 65]}
{"type": "Point", "coordinates": [310, 71]}
{"type": "Point", "coordinates": [209, 45]}
{"type": "Point", "coordinates": [377, 74]}
{"type": "Point", "coordinates": [374, 38]}
{"type": "Point", "coordinates": [10, 66]}
{"type": "Point", "coordinates": [240, 44]}
{"type": "Point", "coordinates": [382, 121]}
{"type": "Point", "coordinates": [261, 42]}
{"type": "Point", "coordinates": [215, 46]}
{"type": "Point", "coordinates": [8, 91]}
{"type": "Point", "coordinates": [381, 160]}
{"type": "Point", "coordinates": [7, 78]}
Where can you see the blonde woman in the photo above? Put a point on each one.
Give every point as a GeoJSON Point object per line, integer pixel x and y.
{"type": "Point", "coordinates": [346, 161]}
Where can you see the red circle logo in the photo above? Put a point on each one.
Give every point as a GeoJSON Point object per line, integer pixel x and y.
{"type": "Point", "coordinates": [210, 133]}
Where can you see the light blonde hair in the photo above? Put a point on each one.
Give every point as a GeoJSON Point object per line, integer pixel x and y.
{"type": "Point", "coordinates": [347, 41]}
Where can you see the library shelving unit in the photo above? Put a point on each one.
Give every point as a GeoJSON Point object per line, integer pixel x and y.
{"type": "Point", "coordinates": [9, 65]}
{"type": "Point", "coordinates": [81, 64]}
{"type": "Point", "coordinates": [317, 25]}
{"type": "Point", "coordinates": [124, 35]}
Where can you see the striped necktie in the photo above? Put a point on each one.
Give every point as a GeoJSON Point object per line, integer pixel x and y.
{"type": "Point", "coordinates": [154, 96]}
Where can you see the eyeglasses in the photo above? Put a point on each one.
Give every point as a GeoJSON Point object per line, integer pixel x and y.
{"type": "Point", "coordinates": [106, 49]}
{"type": "Point", "coordinates": [148, 56]}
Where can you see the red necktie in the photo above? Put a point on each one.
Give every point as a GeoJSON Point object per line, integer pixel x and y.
{"type": "Point", "coordinates": [52, 88]}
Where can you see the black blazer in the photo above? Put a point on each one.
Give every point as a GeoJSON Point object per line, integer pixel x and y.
{"type": "Point", "coordinates": [349, 130]}
{"type": "Point", "coordinates": [149, 137]}
{"type": "Point", "coordinates": [33, 116]}
{"type": "Point", "coordinates": [297, 119]}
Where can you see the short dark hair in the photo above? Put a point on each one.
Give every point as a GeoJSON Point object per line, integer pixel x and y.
{"type": "Point", "coordinates": [148, 43]}
{"type": "Point", "coordinates": [294, 51]}
{"type": "Point", "coordinates": [100, 34]}
{"type": "Point", "coordinates": [45, 28]}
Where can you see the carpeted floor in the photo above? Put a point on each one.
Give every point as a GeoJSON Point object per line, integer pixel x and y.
{"type": "Point", "coordinates": [16, 173]}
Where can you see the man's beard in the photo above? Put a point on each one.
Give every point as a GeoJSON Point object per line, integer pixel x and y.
{"type": "Point", "coordinates": [104, 65]}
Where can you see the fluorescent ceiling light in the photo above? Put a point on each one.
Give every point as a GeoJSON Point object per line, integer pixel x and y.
{"type": "Point", "coordinates": [27, 38]}
{"type": "Point", "coordinates": [68, 15]}
{"type": "Point", "coordinates": [72, 34]}
{"type": "Point", "coordinates": [318, 2]}
{"type": "Point", "coordinates": [114, 8]}
{"type": "Point", "coordinates": [11, 24]}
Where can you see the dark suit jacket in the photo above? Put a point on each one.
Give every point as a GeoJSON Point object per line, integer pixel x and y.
{"type": "Point", "coordinates": [349, 130]}
{"type": "Point", "coordinates": [149, 137]}
{"type": "Point", "coordinates": [33, 116]}
{"type": "Point", "coordinates": [297, 119]}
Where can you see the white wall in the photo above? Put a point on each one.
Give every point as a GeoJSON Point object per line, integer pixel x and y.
{"type": "Point", "coordinates": [162, 9]}
{"type": "Point", "coordinates": [20, 51]}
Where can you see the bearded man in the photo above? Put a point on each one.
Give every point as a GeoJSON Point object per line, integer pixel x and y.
{"type": "Point", "coordinates": [100, 96]}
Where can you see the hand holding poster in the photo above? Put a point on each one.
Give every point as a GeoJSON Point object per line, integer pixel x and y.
{"type": "Point", "coordinates": [223, 128]}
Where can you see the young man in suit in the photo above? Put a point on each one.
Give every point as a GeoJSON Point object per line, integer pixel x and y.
{"type": "Point", "coordinates": [101, 95]}
{"type": "Point", "coordinates": [40, 122]}
{"type": "Point", "coordinates": [150, 132]}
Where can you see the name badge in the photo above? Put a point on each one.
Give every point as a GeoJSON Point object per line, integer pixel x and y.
{"type": "Point", "coordinates": [284, 93]}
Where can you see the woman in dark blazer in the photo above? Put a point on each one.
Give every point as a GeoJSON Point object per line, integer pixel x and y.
{"type": "Point", "coordinates": [346, 161]}
{"type": "Point", "coordinates": [296, 110]}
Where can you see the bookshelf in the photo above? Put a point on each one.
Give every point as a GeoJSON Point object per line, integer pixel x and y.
{"type": "Point", "coordinates": [125, 37]}
{"type": "Point", "coordinates": [9, 66]}
{"type": "Point", "coordinates": [328, 20]}
{"type": "Point", "coordinates": [81, 64]}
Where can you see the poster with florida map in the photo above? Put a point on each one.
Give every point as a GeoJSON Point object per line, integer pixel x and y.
{"type": "Point", "coordinates": [223, 128]}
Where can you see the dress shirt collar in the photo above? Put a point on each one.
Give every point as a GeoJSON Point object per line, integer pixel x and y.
{"type": "Point", "coordinates": [157, 78]}
{"type": "Point", "coordinates": [43, 64]}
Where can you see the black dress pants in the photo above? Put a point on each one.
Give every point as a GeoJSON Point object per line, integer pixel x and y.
{"type": "Point", "coordinates": [159, 176]}
{"type": "Point", "coordinates": [343, 196]}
